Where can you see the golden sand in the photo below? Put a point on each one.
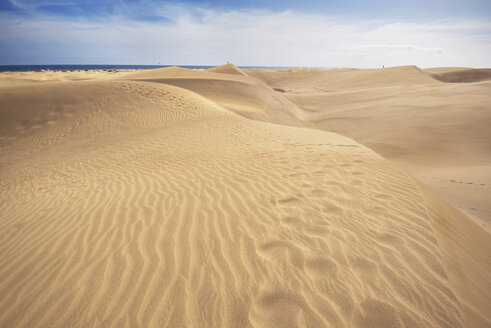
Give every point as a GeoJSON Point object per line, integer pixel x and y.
{"type": "Point", "coordinates": [205, 198]}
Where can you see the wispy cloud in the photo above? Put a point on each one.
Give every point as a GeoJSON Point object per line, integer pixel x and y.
{"type": "Point", "coordinates": [186, 35]}
{"type": "Point", "coordinates": [401, 47]}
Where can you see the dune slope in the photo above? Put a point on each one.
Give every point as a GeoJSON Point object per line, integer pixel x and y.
{"type": "Point", "coordinates": [146, 205]}
{"type": "Point", "coordinates": [464, 76]}
{"type": "Point", "coordinates": [304, 80]}
{"type": "Point", "coordinates": [438, 131]}
{"type": "Point", "coordinates": [227, 69]}
{"type": "Point", "coordinates": [230, 87]}
{"type": "Point", "coordinates": [465, 249]}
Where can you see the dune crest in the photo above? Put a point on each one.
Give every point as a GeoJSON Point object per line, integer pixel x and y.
{"type": "Point", "coordinates": [228, 69]}
{"type": "Point", "coordinates": [241, 94]}
{"type": "Point", "coordinates": [464, 76]}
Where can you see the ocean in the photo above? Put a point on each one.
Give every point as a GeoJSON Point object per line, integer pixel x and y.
{"type": "Point", "coordinates": [28, 68]}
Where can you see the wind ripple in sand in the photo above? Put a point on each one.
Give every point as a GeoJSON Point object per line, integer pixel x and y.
{"type": "Point", "coordinates": [149, 206]}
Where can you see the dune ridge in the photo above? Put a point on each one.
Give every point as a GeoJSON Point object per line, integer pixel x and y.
{"type": "Point", "coordinates": [464, 76]}
{"type": "Point", "coordinates": [148, 205]}
{"type": "Point", "coordinates": [227, 69]}
{"type": "Point", "coordinates": [231, 88]}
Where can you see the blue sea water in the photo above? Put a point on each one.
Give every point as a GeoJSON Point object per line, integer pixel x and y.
{"type": "Point", "coordinates": [28, 68]}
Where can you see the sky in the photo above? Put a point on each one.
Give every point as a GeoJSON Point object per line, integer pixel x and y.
{"type": "Point", "coordinates": [309, 33]}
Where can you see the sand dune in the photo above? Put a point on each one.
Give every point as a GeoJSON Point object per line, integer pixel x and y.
{"type": "Point", "coordinates": [227, 69]}
{"type": "Point", "coordinates": [438, 131]}
{"type": "Point", "coordinates": [464, 76]}
{"type": "Point", "coordinates": [21, 78]}
{"type": "Point", "coordinates": [229, 87]}
{"type": "Point", "coordinates": [439, 70]}
{"type": "Point", "coordinates": [132, 202]}
{"type": "Point", "coordinates": [317, 80]}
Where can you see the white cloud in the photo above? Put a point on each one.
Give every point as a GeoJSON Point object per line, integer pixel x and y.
{"type": "Point", "coordinates": [246, 37]}
{"type": "Point", "coordinates": [401, 47]}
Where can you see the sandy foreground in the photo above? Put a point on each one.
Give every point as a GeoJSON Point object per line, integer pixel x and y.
{"type": "Point", "coordinates": [219, 198]}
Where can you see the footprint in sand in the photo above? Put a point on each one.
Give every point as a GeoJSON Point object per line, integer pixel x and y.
{"type": "Point", "coordinates": [281, 251]}
{"type": "Point", "coordinates": [290, 201]}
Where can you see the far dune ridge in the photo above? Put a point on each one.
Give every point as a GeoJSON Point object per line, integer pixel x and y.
{"type": "Point", "coordinates": [205, 198]}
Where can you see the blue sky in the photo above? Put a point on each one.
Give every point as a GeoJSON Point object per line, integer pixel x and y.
{"type": "Point", "coordinates": [258, 32]}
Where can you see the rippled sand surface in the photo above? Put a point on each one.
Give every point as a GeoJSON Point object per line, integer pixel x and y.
{"type": "Point", "coordinates": [183, 198]}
